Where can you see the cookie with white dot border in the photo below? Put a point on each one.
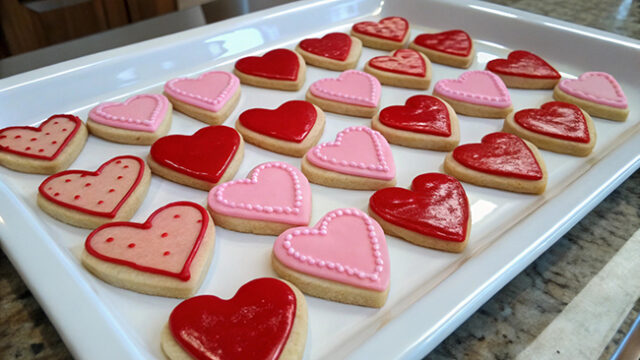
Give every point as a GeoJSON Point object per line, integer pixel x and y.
{"type": "Point", "coordinates": [354, 93]}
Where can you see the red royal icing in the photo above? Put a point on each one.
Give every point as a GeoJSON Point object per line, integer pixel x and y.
{"type": "Point", "coordinates": [403, 61]}
{"type": "Point", "coordinates": [524, 64]}
{"type": "Point", "coordinates": [421, 113]}
{"type": "Point", "coordinates": [500, 154]}
{"type": "Point", "coordinates": [254, 324]}
{"type": "Point", "coordinates": [142, 241]}
{"type": "Point", "coordinates": [436, 206]}
{"type": "Point", "coordinates": [556, 119]}
{"type": "Point", "coordinates": [334, 46]}
{"type": "Point", "coordinates": [44, 142]}
{"type": "Point", "coordinates": [98, 193]}
{"type": "Point", "coordinates": [452, 42]}
{"type": "Point", "coordinates": [204, 155]}
{"type": "Point", "coordinates": [392, 28]}
{"type": "Point", "coordinates": [278, 64]}
{"type": "Point", "coordinates": [291, 121]}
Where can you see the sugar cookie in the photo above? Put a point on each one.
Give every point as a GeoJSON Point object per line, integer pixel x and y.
{"type": "Point", "coordinates": [334, 51]}
{"type": "Point", "coordinates": [389, 33]}
{"type": "Point", "coordinates": [280, 69]}
{"type": "Point", "coordinates": [403, 68]}
{"type": "Point", "coordinates": [354, 93]}
{"type": "Point", "coordinates": [524, 70]}
{"type": "Point", "coordinates": [453, 48]}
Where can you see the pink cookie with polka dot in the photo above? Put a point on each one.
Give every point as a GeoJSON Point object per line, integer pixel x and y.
{"type": "Point", "coordinates": [275, 196]}
{"type": "Point", "coordinates": [167, 255]}
{"type": "Point", "coordinates": [360, 158]}
{"type": "Point", "coordinates": [354, 93]}
{"type": "Point", "coordinates": [46, 149]}
{"type": "Point", "coordinates": [139, 120]}
{"type": "Point", "coordinates": [597, 93]}
{"type": "Point", "coordinates": [343, 258]}
{"type": "Point", "coordinates": [88, 199]}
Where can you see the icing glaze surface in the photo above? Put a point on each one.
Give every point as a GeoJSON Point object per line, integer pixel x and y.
{"type": "Point", "coordinates": [392, 28]}
{"type": "Point", "coordinates": [334, 46]}
{"type": "Point", "coordinates": [524, 64]}
{"type": "Point", "coordinates": [254, 324]}
{"type": "Point", "coordinates": [204, 155]}
{"type": "Point", "coordinates": [44, 142]}
{"type": "Point", "coordinates": [138, 113]}
{"type": "Point", "coordinates": [358, 151]}
{"type": "Point", "coordinates": [273, 191]}
{"type": "Point", "coordinates": [598, 87]}
{"type": "Point", "coordinates": [278, 64]}
{"type": "Point", "coordinates": [345, 246]}
{"type": "Point", "coordinates": [421, 113]}
{"type": "Point", "coordinates": [500, 154]}
{"type": "Point", "coordinates": [101, 192]}
{"type": "Point", "coordinates": [436, 206]}
{"type": "Point", "coordinates": [165, 244]}
{"type": "Point", "coordinates": [556, 119]}
{"type": "Point", "coordinates": [403, 61]}
{"type": "Point", "coordinates": [351, 87]}
{"type": "Point", "coordinates": [476, 87]}
{"type": "Point", "coordinates": [291, 121]}
{"type": "Point", "coordinates": [452, 42]}
{"type": "Point", "coordinates": [210, 91]}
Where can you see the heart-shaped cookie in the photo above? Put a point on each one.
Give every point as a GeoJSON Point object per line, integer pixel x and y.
{"type": "Point", "coordinates": [291, 121]}
{"type": "Point", "coordinates": [421, 113]}
{"type": "Point", "coordinates": [436, 210]}
{"type": "Point", "coordinates": [597, 87]}
{"type": "Point", "coordinates": [113, 192]}
{"type": "Point", "coordinates": [261, 321]}
{"type": "Point", "coordinates": [452, 42]}
{"type": "Point", "coordinates": [278, 64]}
{"type": "Point", "coordinates": [523, 64]}
{"type": "Point", "coordinates": [44, 142]}
{"type": "Point", "coordinates": [274, 192]}
{"type": "Point", "coordinates": [556, 119]}
{"type": "Point", "coordinates": [352, 87]}
{"type": "Point", "coordinates": [475, 87]}
{"type": "Point", "coordinates": [139, 113]}
{"type": "Point", "coordinates": [403, 61]}
{"type": "Point", "coordinates": [346, 247]}
{"type": "Point", "coordinates": [334, 46]}
{"type": "Point", "coordinates": [210, 91]}
{"type": "Point", "coordinates": [393, 28]}
{"type": "Point", "coordinates": [206, 156]}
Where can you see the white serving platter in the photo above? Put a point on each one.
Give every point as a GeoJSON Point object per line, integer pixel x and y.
{"type": "Point", "coordinates": [431, 293]}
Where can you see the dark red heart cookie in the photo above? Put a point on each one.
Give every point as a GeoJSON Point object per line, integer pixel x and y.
{"type": "Point", "coordinates": [403, 61]}
{"type": "Point", "coordinates": [278, 64]}
{"type": "Point", "coordinates": [524, 64]}
{"type": "Point", "coordinates": [452, 42]}
{"type": "Point", "coordinates": [555, 119]}
{"type": "Point", "coordinates": [205, 155]}
{"type": "Point", "coordinates": [500, 154]}
{"type": "Point", "coordinates": [436, 206]}
{"type": "Point", "coordinates": [392, 28]}
{"type": "Point", "coordinates": [334, 46]}
{"type": "Point", "coordinates": [291, 121]}
{"type": "Point", "coordinates": [255, 324]}
{"type": "Point", "coordinates": [421, 113]}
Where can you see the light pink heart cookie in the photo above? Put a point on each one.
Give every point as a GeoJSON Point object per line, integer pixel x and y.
{"type": "Point", "coordinates": [139, 113]}
{"type": "Point", "coordinates": [352, 87]}
{"type": "Point", "coordinates": [273, 192]}
{"type": "Point", "coordinates": [476, 87]}
{"type": "Point", "coordinates": [358, 151]}
{"type": "Point", "coordinates": [210, 91]}
{"type": "Point", "coordinates": [346, 246]}
{"type": "Point", "coordinates": [598, 87]}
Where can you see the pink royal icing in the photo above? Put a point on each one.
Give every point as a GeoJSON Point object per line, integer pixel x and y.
{"type": "Point", "coordinates": [351, 87]}
{"type": "Point", "coordinates": [598, 87]}
{"type": "Point", "coordinates": [476, 87]}
{"type": "Point", "coordinates": [346, 246]}
{"type": "Point", "coordinates": [210, 91]}
{"type": "Point", "coordinates": [273, 191]}
{"type": "Point", "coordinates": [44, 142]}
{"type": "Point", "coordinates": [358, 151]}
{"type": "Point", "coordinates": [139, 113]}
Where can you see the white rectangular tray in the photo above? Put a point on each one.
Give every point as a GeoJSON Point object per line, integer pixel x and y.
{"type": "Point", "coordinates": [431, 293]}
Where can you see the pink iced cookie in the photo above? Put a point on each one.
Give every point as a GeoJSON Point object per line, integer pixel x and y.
{"type": "Point", "coordinates": [343, 258]}
{"type": "Point", "coordinates": [359, 158]}
{"type": "Point", "coordinates": [210, 98]}
{"type": "Point", "coordinates": [141, 119]}
{"type": "Point", "coordinates": [353, 93]}
{"type": "Point", "coordinates": [166, 255]}
{"type": "Point", "coordinates": [597, 93]}
{"type": "Point", "coordinates": [476, 93]}
{"type": "Point", "coordinates": [275, 196]}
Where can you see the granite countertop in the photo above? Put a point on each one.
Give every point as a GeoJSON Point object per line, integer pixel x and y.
{"type": "Point", "coordinates": [509, 323]}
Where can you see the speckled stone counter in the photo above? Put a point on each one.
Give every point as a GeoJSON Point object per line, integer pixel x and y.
{"type": "Point", "coordinates": [508, 322]}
